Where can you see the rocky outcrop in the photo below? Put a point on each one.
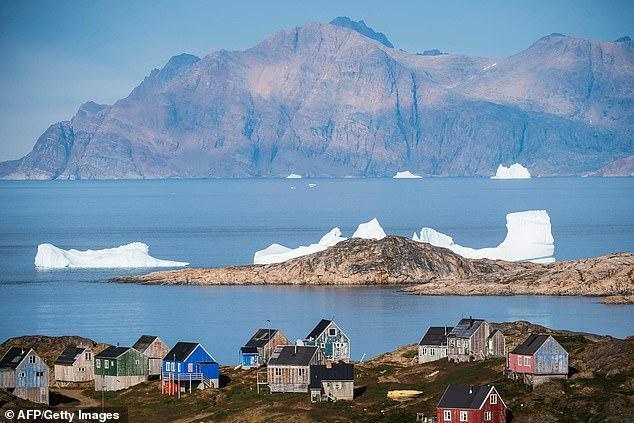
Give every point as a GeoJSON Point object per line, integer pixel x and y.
{"type": "Point", "coordinates": [427, 270]}
{"type": "Point", "coordinates": [336, 100]}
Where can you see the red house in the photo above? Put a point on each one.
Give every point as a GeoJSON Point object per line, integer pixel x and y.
{"type": "Point", "coordinates": [537, 360]}
{"type": "Point", "coordinates": [472, 404]}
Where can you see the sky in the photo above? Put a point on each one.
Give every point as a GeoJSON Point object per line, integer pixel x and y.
{"type": "Point", "coordinates": [58, 54]}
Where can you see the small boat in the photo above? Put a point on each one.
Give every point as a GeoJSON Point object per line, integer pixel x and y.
{"type": "Point", "coordinates": [403, 394]}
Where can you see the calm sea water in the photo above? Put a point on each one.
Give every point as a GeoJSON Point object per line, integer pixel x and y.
{"type": "Point", "coordinates": [221, 222]}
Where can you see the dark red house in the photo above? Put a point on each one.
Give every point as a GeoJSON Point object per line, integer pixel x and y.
{"type": "Point", "coordinates": [472, 404]}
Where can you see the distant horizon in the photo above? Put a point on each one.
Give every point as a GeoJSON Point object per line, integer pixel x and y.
{"type": "Point", "coordinates": [59, 55]}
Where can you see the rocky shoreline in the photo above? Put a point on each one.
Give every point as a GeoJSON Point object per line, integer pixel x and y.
{"type": "Point", "coordinates": [421, 269]}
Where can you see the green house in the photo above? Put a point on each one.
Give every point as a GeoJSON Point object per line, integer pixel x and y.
{"type": "Point", "coordinates": [119, 368]}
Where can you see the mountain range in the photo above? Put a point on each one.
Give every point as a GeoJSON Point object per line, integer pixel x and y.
{"type": "Point", "coordinates": [339, 100]}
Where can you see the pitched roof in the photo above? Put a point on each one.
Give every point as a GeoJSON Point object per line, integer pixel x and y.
{"type": "Point", "coordinates": [464, 396]}
{"type": "Point", "coordinates": [144, 342]}
{"type": "Point", "coordinates": [436, 335]}
{"type": "Point", "coordinates": [12, 358]}
{"type": "Point", "coordinates": [338, 372]}
{"type": "Point", "coordinates": [495, 332]}
{"type": "Point", "coordinates": [292, 355]}
{"type": "Point", "coordinates": [69, 355]}
{"type": "Point", "coordinates": [181, 351]}
{"type": "Point", "coordinates": [319, 329]}
{"type": "Point", "coordinates": [112, 352]}
{"type": "Point", "coordinates": [261, 337]}
{"type": "Point", "coordinates": [466, 327]}
{"type": "Point", "coordinates": [249, 350]}
{"type": "Point", "coordinates": [530, 344]}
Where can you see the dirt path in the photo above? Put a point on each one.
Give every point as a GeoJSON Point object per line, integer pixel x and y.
{"type": "Point", "coordinates": [84, 401]}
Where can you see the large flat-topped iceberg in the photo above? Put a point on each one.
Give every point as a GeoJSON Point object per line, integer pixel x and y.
{"type": "Point", "coordinates": [276, 253]}
{"type": "Point", "coordinates": [528, 238]}
{"type": "Point", "coordinates": [514, 171]}
{"type": "Point", "coordinates": [406, 175]}
{"type": "Point", "coordinates": [135, 254]}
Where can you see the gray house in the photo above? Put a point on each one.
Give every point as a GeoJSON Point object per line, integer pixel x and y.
{"type": "Point", "coordinates": [469, 341]}
{"type": "Point", "coordinates": [332, 382]}
{"type": "Point", "coordinates": [331, 339]}
{"type": "Point", "coordinates": [75, 364]}
{"type": "Point", "coordinates": [155, 350]}
{"type": "Point", "coordinates": [433, 346]}
{"type": "Point", "coordinates": [288, 369]}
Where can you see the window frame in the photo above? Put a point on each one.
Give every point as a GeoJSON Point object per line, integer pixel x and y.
{"type": "Point", "coordinates": [493, 399]}
{"type": "Point", "coordinates": [488, 416]}
{"type": "Point", "coordinates": [446, 415]}
{"type": "Point", "coordinates": [32, 359]}
{"type": "Point", "coordinates": [527, 361]}
{"type": "Point", "coordinates": [98, 363]}
{"type": "Point", "coordinates": [465, 414]}
{"type": "Point", "coordinates": [106, 364]}
{"type": "Point", "coordinates": [332, 331]}
{"type": "Point", "coordinates": [520, 362]}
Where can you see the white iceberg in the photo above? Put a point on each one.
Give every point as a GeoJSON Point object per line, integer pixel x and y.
{"type": "Point", "coordinates": [135, 254]}
{"type": "Point", "coordinates": [406, 175]}
{"type": "Point", "coordinates": [514, 171]}
{"type": "Point", "coordinates": [528, 238]}
{"type": "Point", "coordinates": [276, 253]}
{"type": "Point", "coordinates": [369, 230]}
{"type": "Point", "coordinates": [294, 176]}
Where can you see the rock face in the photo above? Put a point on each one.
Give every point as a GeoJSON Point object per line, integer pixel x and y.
{"type": "Point", "coordinates": [430, 270]}
{"type": "Point", "coordinates": [336, 100]}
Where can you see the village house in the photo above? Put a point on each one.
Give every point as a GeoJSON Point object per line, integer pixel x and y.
{"type": "Point", "coordinates": [187, 366]}
{"type": "Point", "coordinates": [331, 339]}
{"type": "Point", "coordinates": [433, 346]}
{"type": "Point", "coordinates": [119, 368]}
{"type": "Point", "coordinates": [537, 360]}
{"type": "Point", "coordinates": [24, 374]}
{"type": "Point", "coordinates": [75, 364]}
{"type": "Point", "coordinates": [471, 339]}
{"type": "Point", "coordinates": [331, 382]}
{"type": "Point", "coordinates": [472, 404]}
{"type": "Point", "coordinates": [257, 351]}
{"type": "Point", "coordinates": [288, 369]}
{"type": "Point", "coordinates": [155, 350]}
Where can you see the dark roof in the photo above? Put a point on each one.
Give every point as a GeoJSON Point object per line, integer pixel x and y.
{"type": "Point", "coordinates": [181, 351]}
{"type": "Point", "coordinates": [144, 342]}
{"type": "Point", "coordinates": [249, 350]}
{"type": "Point", "coordinates": [464, 396]}
{"type": "Point", "coordinates": [492, 334]}
{"type": "Point", "coordinates": [319, 329]}
{"type": "Point", "coordinates": [466, 327]}
{"type": "Point", "coordinates": [436, 335]}
{"type": "Point", "coordinates": [530, 345]}
{"type": "Point", "coordinates": [261, 337]}
{"type": "Point", "coordinates": [13, 357]}
{"type": "Point", "coordinates": [338, 372]}
{"type": "Point", "coordinates": [112, 352]}
{"type": "Point", "coordinates": [69, 355]}
{"type": "Point", "coordinates": [292, 355]}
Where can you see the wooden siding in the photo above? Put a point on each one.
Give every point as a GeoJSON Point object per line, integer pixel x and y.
{"type": "Point", "coordinates": [155, 353]}
{"type": "Point", "coordinates": [30, 379]}
{"type": "Point", "coordinates": [335, 347]}
{"type": "Point", "coordinates": [264, 353]}
{"type": "Point", "coordinates": [291, 378]}
{"type": "Point", "coordinates": [116, 383]}
{"type": "Point", "coordinates": [427, 353]}
{"type": "Point", "coordinates": [498, 412]}
{"type": "Point", "coordinates": [473, 348]}
{"type": "Point", "coordinates": [338, 390]}
{"type": "Point", "coordinates": [74, 373]}
{"type": "Point", "coordinates": [551, 359]}
{"type": "Point", "coordinates": [497, 345]}
{"type": "Point", "coordinates": [130, 363]}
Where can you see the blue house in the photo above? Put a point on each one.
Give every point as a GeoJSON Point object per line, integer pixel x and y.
{"type": "Point", "coordinates": [188, 365]}
{"type": "Point", "coordinates": [23, 373]}
{"type": "Point", "coordinates": [331, 339]}
{"type": "Point", "coordinates": [259, 348]}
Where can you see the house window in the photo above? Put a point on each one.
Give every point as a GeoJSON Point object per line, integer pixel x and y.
{"type": "Point", "coordinates": [81, 370]}
{"type": "Point", "coordinates": [278, 371]}
{"type": "Point", "coordinates": [39, 374]}
{"type": "Point", "coordinates": [424, 350]}
{"type": "Point", "coordinates": [519, 360]}
{"type": "Point", "coordinates": [487, 416]}
{"type": "Point", "coordinates": [446, 415]}
{"type": "Point", "coordinates": [323, 345]}
{"type": "Point", "coordinates": [88, 356]}
{"type": "Point", "coordinates": [463, 416]}
{"type": "Point", "coordinates": [167, 366]}
{"type": "Point", "coordinates": [527, 361]}
{"type": "Point", "coordinates": [494, 399]}
{"type": "Point", "coordinates": [22, 374]}
{"type": "Point", "coordinates": [98, 363]}
{"type": "Point", "coordinates": [190, 367]}
{"type": "Point", "coordinates": [337, 385]}
{"type": "Point", "coordinates": [32, 359]}
{"type": "Point", "coordinates": [178, 366]}
{"type": "Point", "coordinates": [332, 332]}
{"type": "Point", "coordinates": [172, 366]}
{"type": "Point", "coordinates": [301, 372]}
{"type": "Point", "coordinates": [432, 351]}
{"type": "Point", "coordinates": [137, 362]}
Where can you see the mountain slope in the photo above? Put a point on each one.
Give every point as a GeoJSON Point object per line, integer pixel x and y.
{"type": "Point", "coordinates": [327, 100]}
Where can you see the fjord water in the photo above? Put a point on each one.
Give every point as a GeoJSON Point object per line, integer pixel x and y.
{"type": "Point", "coordinates": [222, 222]}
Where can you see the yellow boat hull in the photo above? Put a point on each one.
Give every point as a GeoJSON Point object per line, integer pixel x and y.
{"type": "Point", "coordinates": [403, 394]}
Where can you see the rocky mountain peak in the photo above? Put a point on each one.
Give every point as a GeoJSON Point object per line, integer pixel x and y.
{"type": "Point", "coordinates": [363, 29]}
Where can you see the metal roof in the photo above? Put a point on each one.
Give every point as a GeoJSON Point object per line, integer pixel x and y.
{"type": "Point", "coordinates": [144, 342]}
{"type": "Point", "coordinates": [436, 335]}
{"type": "Point", "coordinates": [70, 355]}
{"type": "Point", "coordinates": [464, 396]}
{"type": "Point", "coordinates": [112, 352]}
{"type": "Point", "coordinates": [530, 345]}
{"type": "Point", "coordinates": [466, 327]}
{"type": "Point", "coordinates": [337, 372]}
{"type": "Point", "coordinates": [261, 337]}
{"type": "Point", "coordinates": [292, 355]}
{"type": "Point", "coordinates": [13, 357]}
{"type": "Point", "coordinates": [319, 329]}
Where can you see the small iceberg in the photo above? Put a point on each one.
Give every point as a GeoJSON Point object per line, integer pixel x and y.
{"type": "Point", "coordinates": [276, 253]}
{"type": "Point", "coordinates": [312, 185]}
{"type": "Point", "coordinates": [369, 230]}
{"type": "Point", "coordinates": [294, 176]}
{"type": "Point", "coordinates": [514, 171]}
{"type": "Point", "coordinates": [406, 175]}
{"type": "Point", "coordinates": [528, 238]}
{"type": "Point", "coordinates": [135, 254]}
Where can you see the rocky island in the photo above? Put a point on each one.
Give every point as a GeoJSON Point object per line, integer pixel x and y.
{"type": "Point", "coordinates": [420, 268]}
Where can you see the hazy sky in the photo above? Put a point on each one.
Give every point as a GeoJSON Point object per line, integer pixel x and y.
{"type": "Point", "coordinates": [59, 54]}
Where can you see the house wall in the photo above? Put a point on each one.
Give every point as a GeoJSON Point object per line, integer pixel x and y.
{"type": "Point", "coordinates": [195, 358]}
{"type": "Point", "coordinates": [155, 353]}
{"type": "Point", "coordinates": [116, 383]}
{"type": "Point", "coordinates": [473, 348]}
{"type": "Point", "coordinates": [35, 375]}
{"type": "Point", "coordinates": [290, 379]}
{"type": "Point", "coordinates": [131, 363]}
{"type": "Point", "coordinates": [72, 373]}
{"type": "Point", "coordinates": [497, 345]}
{"type": "Point", "coordinates": [264, 353]}
{"type": "Point", "coordinates": [339, 390]}
{"type": "Point", "coordinates": [518, 366]}
{"type": "Point", "coordinates": [551, 358]}
{"type": "Point", "coordinates": [329, 344]}
{"type": "Point", "coordinates": [250, 360]}
{"type": "Point", "coordinates": [7, 378]}
{"type": "Point", "coordinates": [427, 353]}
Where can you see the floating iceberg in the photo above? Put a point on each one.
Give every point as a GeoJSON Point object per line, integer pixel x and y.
{"type": "Point", "coordinates": [135, 254]}
{"type": "Point", "coordinates": [514, 171]}
{"type": "Point", "coordinates": [294, 176]}
{"type": "Point", "coordinates": [276, 253]}
{"type": "Point", "coordinates": [528, 238]}
{"type": "Point", "coordinates": [369, 230]}
{"type": "Point", "coordinates": [406, 175]}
